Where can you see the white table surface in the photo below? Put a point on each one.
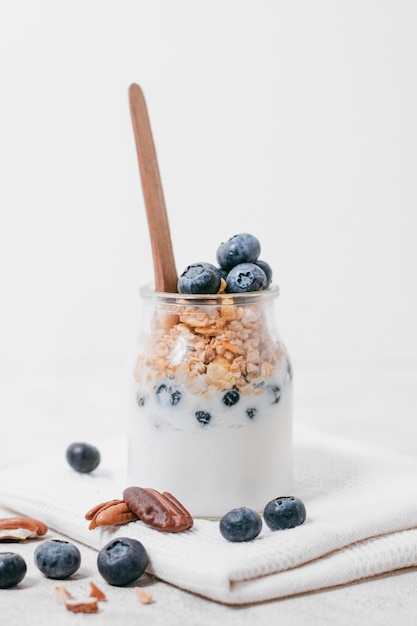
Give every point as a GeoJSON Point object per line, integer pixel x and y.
{"type": "Point", "coordinates": [40, 411]}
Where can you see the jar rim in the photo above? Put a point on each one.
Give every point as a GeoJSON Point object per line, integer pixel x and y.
{"type": "Point", "coordinates": [249, 297]}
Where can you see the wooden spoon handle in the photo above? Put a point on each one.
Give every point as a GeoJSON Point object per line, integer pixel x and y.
{"type": "Point", "coordinates": [163, 257]}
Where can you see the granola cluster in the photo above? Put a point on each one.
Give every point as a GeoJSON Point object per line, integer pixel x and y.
{"type": "Point", "coordinates": [215, 346]}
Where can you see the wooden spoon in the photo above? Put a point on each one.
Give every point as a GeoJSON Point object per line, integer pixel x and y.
{"type": "Point", "coordinates": [163, 257]}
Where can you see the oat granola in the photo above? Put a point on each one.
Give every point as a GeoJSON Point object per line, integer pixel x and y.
{"type": "Point", "coordinates": [224, 347]}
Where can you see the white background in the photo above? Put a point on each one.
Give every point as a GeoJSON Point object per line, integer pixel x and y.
{"type": "Point", "coordinates": [295, 121]}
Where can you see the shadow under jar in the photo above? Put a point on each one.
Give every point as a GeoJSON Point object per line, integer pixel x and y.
{"type": "Point", "coordinates": [211, 401]}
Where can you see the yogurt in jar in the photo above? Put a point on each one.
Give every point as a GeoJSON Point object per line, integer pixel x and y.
{"type": "Point", "coordinates": [211, 401]}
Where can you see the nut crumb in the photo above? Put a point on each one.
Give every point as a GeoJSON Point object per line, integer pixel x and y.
{"type": "Point", "coordinates": [95, 592]}
{"type": "Point", "coordinates": [143, 596]}
{"type": "Point", "coordinates": [62, 594]}
{"type": "Point", "coordinates": [82, 606]}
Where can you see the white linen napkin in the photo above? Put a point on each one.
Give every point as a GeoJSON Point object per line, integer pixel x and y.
{"type": "Point", "coordinates": [361, 521]}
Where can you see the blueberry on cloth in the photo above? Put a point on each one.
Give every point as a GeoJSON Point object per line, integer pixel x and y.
{"type": "Point", "coordinates": [241, 524]}
{"type": "Point", "coordinates": [83, 457]}
{"type": "Point", "coordinates": [203, 417]}
{"type": "Point", "coordinates": [242, 248]}
{"type": "Point", "coordinates": [268, 271]}
{"type": "Point", "coordinates": [12, 569]}
{"type": "Point", "coordinates": [285, 512]}
{"type": "Point", "coordinates": [57, 558]}
{"type": "Point", "coordinates": [121, 561]}
{"type": "Point", "coordinates": [251, 412]}
{"type": "Point", "coordinates": [199, 278]}
{"type": "Point", "coordinates": [168, 396]}
{"type": "Point", "coordinates": [231, 397]}
{"type": "Point", "coordinates": [245, 277]}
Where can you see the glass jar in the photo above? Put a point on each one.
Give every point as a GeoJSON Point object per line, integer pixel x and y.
{"type": "Point", "coordinates": [211, 401]}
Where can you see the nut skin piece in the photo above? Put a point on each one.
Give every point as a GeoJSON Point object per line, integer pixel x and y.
{"type": "Point", "coordinates": [143, 596]}
{"type": "Point", "coordinates": [14, 529]}
{"type": "Point", "coordinates": [82, 606]}
{"type": "Point", "coordinates": [112, 513]}
{"type": "Point", "coordinates": [159, 510]}
{"type": "Point", "coordinates": [62, 594]}
{"type": "Point", "coordinates": [95, 592]}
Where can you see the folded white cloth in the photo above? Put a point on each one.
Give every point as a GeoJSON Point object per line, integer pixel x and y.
{"type": "Point", "coordinates": [361, 521]}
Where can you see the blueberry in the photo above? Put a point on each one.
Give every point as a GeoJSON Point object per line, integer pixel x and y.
{"type": "Point", "coordinates": [240, 524]}
{"type": "Point", "coordinates": [251, 412]}
{"type": "Point", "coordinates": [199, 278]}
{"type": "Point", "coordinates": [245, 277]}
{"type": "Point", "coordinates": [57, 559]}
{"type": "Point", "coordinates": [121, 561]}
{"type": "Point", "coordinates": [83, 457]}
{"type": "Point", "coordinates": [242, 248]}
{"type": "Point", "coordinates": [203, 417]}
{"type": "Point", "coordinates": [274, 393]}
{"type": "Point", "coordinates": [140, 399]}
{"type": "Point", "coordinates": [168, 396]}
{"type": "Point", "coordinates": [223, 273]}
{"type": "Point", "coordinates": [268, 272]}
{"type": "Point", "coordinates": [231, 397]}
{"type": "Point", "coordinates": [285, 512]}
{"type": "Point", "coordinates": [12, 569]}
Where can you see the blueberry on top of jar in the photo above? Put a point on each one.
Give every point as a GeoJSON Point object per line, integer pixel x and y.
{"type": "Point", "coordinates": [245, 277]}
{"type": "Point", "coordinates": [241, 248]}
{"type": "Point", "coordinates": [199, 278]}
{"type": "Point", "coordinates": [168, 396]}
{"type": "Point", "coordinates": [267, 270]}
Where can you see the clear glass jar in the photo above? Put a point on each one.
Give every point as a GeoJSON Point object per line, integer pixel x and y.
{"type": "Point", "coordinates": [211, 401]}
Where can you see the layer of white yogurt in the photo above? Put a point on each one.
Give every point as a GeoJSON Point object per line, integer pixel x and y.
{"type": "Point", "coordinates": [240, 457]}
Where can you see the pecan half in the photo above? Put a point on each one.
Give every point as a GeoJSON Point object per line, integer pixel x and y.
{"type": "Point", "coordinates": [159, 510]}
{"type": "Point", "coordinates": [14, 529]}
{"type": "Point", "coordinates": [111, 513]}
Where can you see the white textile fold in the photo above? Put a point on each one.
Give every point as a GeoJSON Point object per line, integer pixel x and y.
{"type": "Point", "coordinates": [361, 521]}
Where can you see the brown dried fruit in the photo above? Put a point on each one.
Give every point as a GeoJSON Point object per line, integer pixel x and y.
{"type": "Point", "coordinates": [159, 510]}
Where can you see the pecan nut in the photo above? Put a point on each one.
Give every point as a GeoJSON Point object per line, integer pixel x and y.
{"type": "Point", "coordinates": [14, 529]}
{"type": "Point", "coordinates": [159, 510]}
{"type": "Point", "coordinates": [111, 513]}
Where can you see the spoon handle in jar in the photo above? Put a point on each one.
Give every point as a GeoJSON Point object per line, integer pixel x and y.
{"type": "Point", "coordinates": [163, 257]}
